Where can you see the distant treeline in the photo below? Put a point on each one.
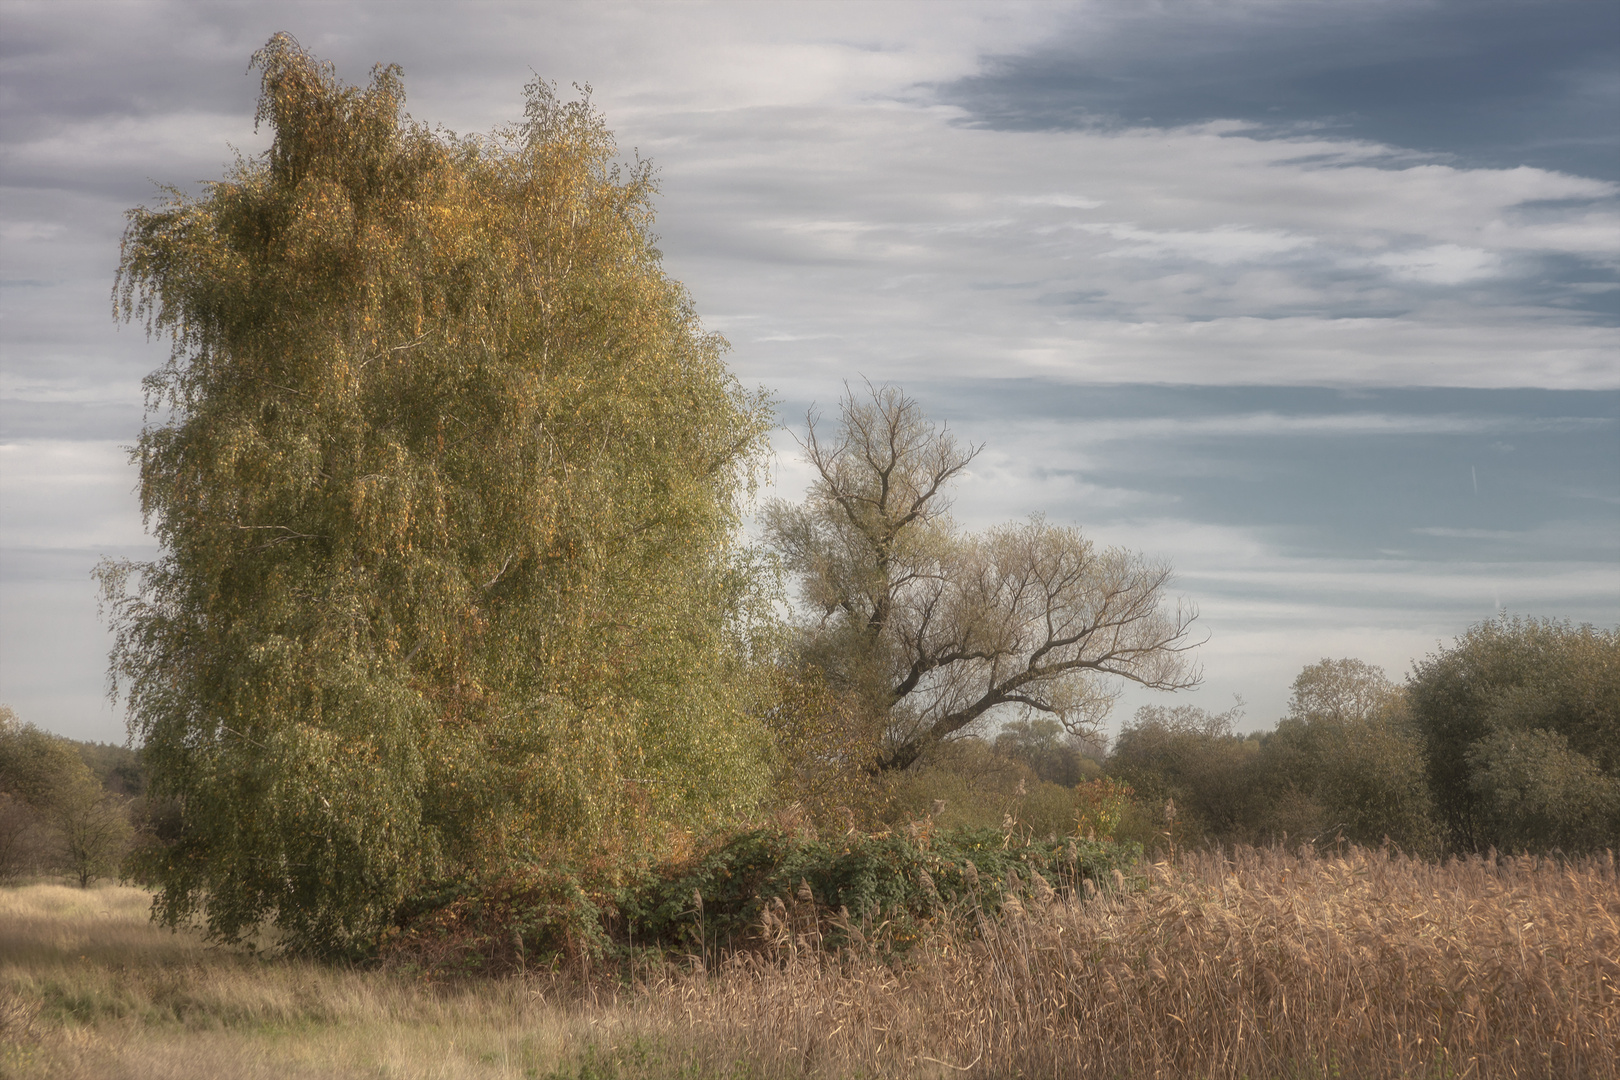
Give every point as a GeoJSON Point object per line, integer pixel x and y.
{"type": "Point", "coordinates": [1508, 739]}
{"type": "Point", "coordinates": [66, 807]}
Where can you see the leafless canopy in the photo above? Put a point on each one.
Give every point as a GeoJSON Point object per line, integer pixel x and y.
{"type": "Point", "coordinates": [938, 628]}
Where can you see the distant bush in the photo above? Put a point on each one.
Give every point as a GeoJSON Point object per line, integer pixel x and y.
{"type": "Point", "coordinates": [975, 784]}
{"type": "Point", "coordinates": [1054, 754]}
{"type": "Point", "coordinates": [1520, 722]}
{"type": "Point", "coordinates": [1346, 764]}
{"type": "Point", "coordinates": [55, 815]}
{"type": "Point", "coordinates": [1190, 763]}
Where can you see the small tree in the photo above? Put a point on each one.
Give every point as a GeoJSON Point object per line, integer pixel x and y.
{"type": "Point", "coordinates": [30, 764]}
{"type": "Point", "coordinates": [34, 764]}
{"type": "Point", "coordinates": [54, 813]}
{"type": "Point", "coordinates": [94, 827]}
{"type": "Point", "coordinates": [933, 631]}
{"type": "Point", "coordinates": [1348, 748]}
{"type": "Point", "coordinates": [1342, 692]}
{"type": "Point", "coordinates": [1520, 719]}
{"type": "Point", "coordinates": [23, 840]}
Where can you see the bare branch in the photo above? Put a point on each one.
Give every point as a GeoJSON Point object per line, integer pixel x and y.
{"type": "Point", "coordinates": [950, 628]}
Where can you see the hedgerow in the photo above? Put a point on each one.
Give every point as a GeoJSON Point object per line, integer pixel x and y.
{"type": "Point", "coordinates": [882, 889]}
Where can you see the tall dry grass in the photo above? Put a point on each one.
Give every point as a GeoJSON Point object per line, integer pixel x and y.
{"type": "Point", "coordinates": [1253, 964]}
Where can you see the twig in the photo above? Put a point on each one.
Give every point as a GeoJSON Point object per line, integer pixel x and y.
{"type": "Point", "coordinates": [948, 1065]}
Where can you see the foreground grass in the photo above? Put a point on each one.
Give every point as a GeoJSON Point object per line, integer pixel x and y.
{"type": "Point", "coordinates": [1264, 964]}
{"type": "Point", "coordinates": [89, 987]}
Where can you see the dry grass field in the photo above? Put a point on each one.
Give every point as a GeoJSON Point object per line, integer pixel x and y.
{"type": "Point", "coordinates": [1259, 964]}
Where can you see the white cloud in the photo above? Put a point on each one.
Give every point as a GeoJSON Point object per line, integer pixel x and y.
{"type": "Point", "coordinates": [1442, 264]}
{"type": "Point", "coordinates": [1067, 202]}
{"type": "Point", "coordinates": [909, 235]}
{"type": "Point", "coordinates": [60, 493]}
{"type": "Point", "coordinates": [1370, 425]}
{"type": "Point", "coordinates": [1222, 245]}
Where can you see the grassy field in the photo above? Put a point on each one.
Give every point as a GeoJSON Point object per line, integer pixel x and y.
{"type": "Point", "coordinates": [1260, 964]}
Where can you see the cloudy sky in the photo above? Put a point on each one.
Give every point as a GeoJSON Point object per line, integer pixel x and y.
{"type": "Point", "coordinates": [1316, 301]}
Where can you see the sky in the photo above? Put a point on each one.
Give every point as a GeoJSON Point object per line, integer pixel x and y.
{"type": "Point", "coordinates": [1316, 302]}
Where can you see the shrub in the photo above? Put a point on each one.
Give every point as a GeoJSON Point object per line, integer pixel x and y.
{"type": "Point", "coordinates": [880, 889]}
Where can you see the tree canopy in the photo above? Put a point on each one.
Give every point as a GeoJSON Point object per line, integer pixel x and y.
{"type": "Point", "coordinates": [935, 630]}
{"type": "Point", "coordinates": [1347, 749]}
{"type": "Point", "coordinates": [54, 812]}
{"type": "Point", "coordinates": [1520, 719]}
{"type": "Point", "coordinates": [446, 476]}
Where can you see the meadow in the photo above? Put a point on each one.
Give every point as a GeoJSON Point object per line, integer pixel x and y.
{"type": "Point", "coordinates": [1250, 963]}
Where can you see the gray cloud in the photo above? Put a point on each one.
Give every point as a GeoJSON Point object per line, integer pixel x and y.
{"type": "Point", "coordinates": [1495, 83]}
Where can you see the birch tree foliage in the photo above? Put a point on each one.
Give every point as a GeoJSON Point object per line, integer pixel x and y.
{"type": "Point", "coordinates": [446, 476]}
{"type": "Point", "coordinates": [939, 632]}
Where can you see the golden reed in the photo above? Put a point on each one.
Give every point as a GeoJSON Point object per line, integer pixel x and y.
{"type": "Point", "coordinates": [1253, 963]}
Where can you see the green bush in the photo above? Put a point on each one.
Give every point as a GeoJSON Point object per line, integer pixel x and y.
{"type": "Point", "coordinates": [1520, 720]}
{"type": "Point", "coordinates": [971, 784]}
{"type": "Point", "coordinates": [892, 885]}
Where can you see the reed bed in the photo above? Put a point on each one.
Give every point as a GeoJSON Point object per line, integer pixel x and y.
{"type": "Point", "coordinates": [1256, 963]}
{"type": "Point", "coordinates": [1243, 964]}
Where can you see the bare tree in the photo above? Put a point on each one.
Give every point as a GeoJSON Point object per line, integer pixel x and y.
{"type": "Point", "coordinates": [94, 827]}
{"type": "Point", "coordinates": [934, 630]}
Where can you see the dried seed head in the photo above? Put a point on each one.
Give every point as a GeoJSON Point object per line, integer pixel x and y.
{"type": "Point", "coordinates": [1044, 893]}
{"type": "Point", "coordinates": [805, 895]}
{"type": "Point", "coordinates": [847, 925]}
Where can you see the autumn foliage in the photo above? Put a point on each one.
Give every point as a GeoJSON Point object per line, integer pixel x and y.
{"type": "Point", "coordinates": [446, 476]}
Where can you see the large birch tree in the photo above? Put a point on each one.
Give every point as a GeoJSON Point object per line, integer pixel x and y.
{"type": "Point", "coordinates": [446, 475]}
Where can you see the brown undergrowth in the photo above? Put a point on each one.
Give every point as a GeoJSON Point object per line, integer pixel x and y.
{"type": "Point", "coordinates": [1248, 964]}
